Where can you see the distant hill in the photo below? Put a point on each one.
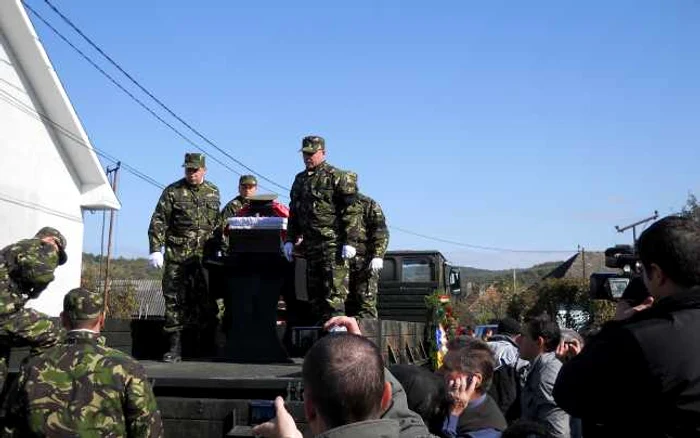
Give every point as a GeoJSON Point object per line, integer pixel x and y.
{"type": "Point", "coordinates": [121, 268]}
{"type": "Point", "coordinates": [525, 276]}
{"type": "Point", "coordinates": [137, 269]}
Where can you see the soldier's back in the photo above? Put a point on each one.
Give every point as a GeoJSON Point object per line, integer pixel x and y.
{"type": "Point", "coordinates": [80, 386]}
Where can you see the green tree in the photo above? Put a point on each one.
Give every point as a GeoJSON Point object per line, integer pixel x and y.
{"type": "Point", "coordinates": [691, 208]}
{"type": "Point", "coordinates": [122, 301]}
{"type": "Point", "coordinates": [567, 300]}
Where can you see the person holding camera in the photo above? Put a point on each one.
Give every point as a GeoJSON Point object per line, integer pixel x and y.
{"type": "Point", "coordinates": [640, 376]}
{"type": "Point", "coordinates": [347, 392]}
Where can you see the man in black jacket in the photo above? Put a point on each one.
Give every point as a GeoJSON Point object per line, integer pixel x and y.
{"type": "Point", "coordinates": [640, 376]}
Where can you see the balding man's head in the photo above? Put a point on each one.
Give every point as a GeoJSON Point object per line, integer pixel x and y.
{"type": "Point", "coordinates": [344, 381]}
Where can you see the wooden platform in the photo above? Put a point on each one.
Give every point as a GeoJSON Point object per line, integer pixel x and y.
{"type": "Point", "coordinates": [211, 399]}
{"type": "Point", "coordinates": [222, 376]}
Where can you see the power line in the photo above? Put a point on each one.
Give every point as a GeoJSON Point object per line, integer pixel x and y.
{"type": "Point", "coordinates": [11, 100]}
{"type": "Point", "coordinates": [127, 92]}
{"type": "Point", "coordinates": [158, 101]}
{"type": "Point", "coordinates": [37, 207]}
{"type": "Point", "coordinates": [146, 178]}
{"type": "Point", "coordinates": [485, 248]}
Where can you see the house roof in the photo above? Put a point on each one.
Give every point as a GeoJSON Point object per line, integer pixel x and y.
{"type": "Point", "coordinates": [581, 265]}
{"type": "Point", "coordinates": [54, 105]}
{"type": "Point", "coordinates": [148, 295]}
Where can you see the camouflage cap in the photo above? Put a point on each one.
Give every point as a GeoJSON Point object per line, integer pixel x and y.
{"type": "Point", "coordinates": [194, 160]}
{"type": "Point", "coordinates": [248, 179]}
{"type": "Point", "coordinates": [312, 144]}
{"type": "Point", "coordinates": [60, 241]}
{"type": "Point", "coordinates": [80, 304]}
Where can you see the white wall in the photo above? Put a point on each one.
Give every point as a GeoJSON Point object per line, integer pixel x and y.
{"type": "Point", "coordinates": [36, 187]}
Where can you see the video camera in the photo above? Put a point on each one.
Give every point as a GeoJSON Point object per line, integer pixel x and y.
{"type": "Point", "coordinates": [612, 285]}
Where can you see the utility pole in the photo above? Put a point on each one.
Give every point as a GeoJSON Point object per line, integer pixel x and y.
{"type": "Point", "coordinates": [108, 281]}
{"type": "Point", "coordinates": [635, 225]}
{"type": "Point", "coordinates": [514, 283]}
{"type": "Point", "coordinates": [582, 250]}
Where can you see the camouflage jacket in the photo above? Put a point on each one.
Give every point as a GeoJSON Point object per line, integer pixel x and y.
{"type": "Point", "coordinates": [26, 268]}
{"type": "Point", "coordinates": [370, 227]}
{"type": "Point", "coordinates": [184, 220]}
{"type": "Point", "coordinates": [81, 388]}
{"type": "Point", "coordinates": [232, 208]}
{"type": "Point", "coordinates": [318, 208]}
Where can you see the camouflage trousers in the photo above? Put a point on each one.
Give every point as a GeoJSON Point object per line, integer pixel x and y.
{"type": "Point", "coordinates": [188, 303]}
{"type": "Point", "coordinates": [326, 285]}
{"type": "Point", "coordinates": [362, 296]}
{"type": "Point", "coordinates": [25, 328]}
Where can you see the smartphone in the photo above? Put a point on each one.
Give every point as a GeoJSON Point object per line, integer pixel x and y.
{"type": "Point", "coordinates": [260, 411]}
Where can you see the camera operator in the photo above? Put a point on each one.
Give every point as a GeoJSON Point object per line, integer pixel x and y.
{"type": "Point", "coordinates": [348, 392]}
{"type": "Point", "coordinates": [640, 376]}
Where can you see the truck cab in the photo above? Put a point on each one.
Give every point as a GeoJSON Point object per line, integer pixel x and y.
{"type": "Point", "coordinates": [408, 277]}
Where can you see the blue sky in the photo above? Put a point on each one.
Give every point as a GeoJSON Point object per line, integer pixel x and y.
{"type": "Point", "coordinates": [524, 125]}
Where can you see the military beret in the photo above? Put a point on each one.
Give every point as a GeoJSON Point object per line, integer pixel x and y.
{"type": "Point", "coordinates": [61, 242]}
{"type": "Point", "coordinates": [312, 144]}
{"type": "Point", "coordinates": [81, 304]}
{"type": "Point", "coordinates": [194, 160]}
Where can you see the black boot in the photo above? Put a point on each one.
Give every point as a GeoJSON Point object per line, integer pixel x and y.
{"type": "Point", "coordinates": [175, 353]}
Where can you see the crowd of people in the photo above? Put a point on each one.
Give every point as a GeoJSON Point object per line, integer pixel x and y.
{"type": "Point", "coordinates": [637, 375]}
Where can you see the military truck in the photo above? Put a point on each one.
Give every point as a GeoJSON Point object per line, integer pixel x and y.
{"type": "Point", "coordinates": [408, 277]}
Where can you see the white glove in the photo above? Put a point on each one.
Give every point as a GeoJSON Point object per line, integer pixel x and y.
{"type": "Point", "coordinates": [288, 249]}
{"type": "Point", "coordinates": [349, 251]}
{"type": "Point", "coordinates": [155, 259]}
{"type": "Point", "coordinates": [376, 265]}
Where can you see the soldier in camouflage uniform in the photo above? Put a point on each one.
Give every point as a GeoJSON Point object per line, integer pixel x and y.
{"type": "Point", "coordinates": [82, 388]}
{"type": "Point", "coordinates": [26, 268]}
{"type": "Point", "coordinates": [372, 241]}
{"type": "Point", "coordinates": [247, 187]}
{"type": "Point", "coordinates": [319, 215]}
{"type": "Point", "coordinates": [184, 222]}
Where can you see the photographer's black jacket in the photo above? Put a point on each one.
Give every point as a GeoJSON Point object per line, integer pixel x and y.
{"type": "Point", "coordinates": [640, 377]}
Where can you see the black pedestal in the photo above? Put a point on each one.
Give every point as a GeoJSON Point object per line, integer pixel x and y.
{"type": "Point", "coordinates": [251, 287]}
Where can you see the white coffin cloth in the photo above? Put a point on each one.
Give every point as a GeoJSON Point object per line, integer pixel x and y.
{"type": "Point", "coordinates": [257, 223]}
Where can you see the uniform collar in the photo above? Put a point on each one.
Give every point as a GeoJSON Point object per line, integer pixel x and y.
{"type": "Point", "coordinates": [317, 168]}
{"type": "Point", "coordinates": [82, 334]}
